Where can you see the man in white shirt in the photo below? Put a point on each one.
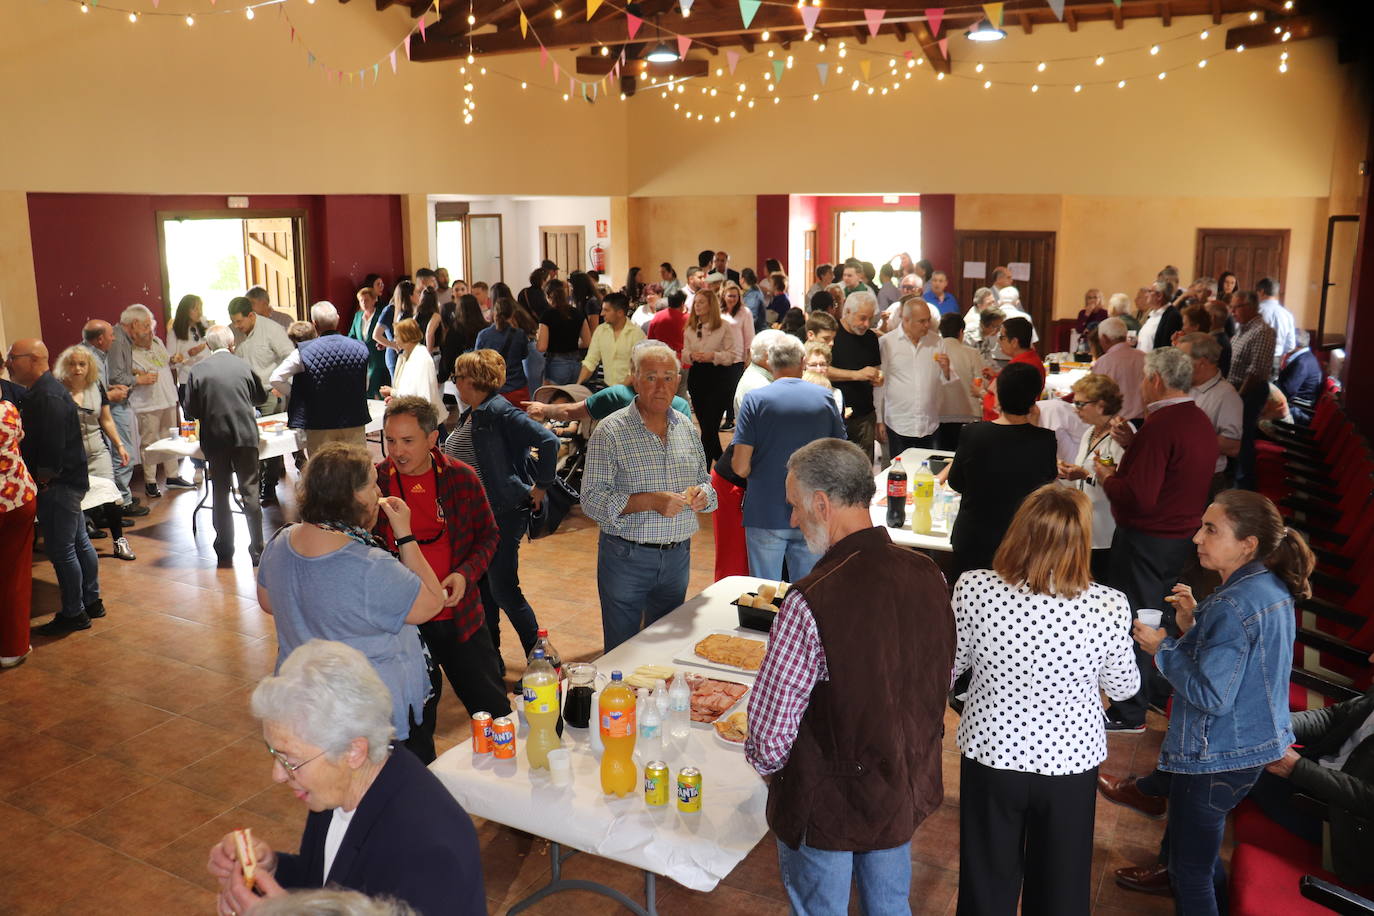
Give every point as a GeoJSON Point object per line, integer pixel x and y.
{"type": "Point", "coordinates": [1123, 364]}
{"type": "Point", "coordinates": [1009, 304]}
{"type": "Point", "coordinates": [1277, 317]}
{"type": "Point", "coordinates": [263, 347]}
{"type": "Point", "coordinates": [915, 371]}
{"type": "Point", "coordinates": [1217, 399]}
{"type": "Point", "coordinates": [154, 395]}
{"type": "Point", "coordinates": [1151, 305]}
{"type": "Point", "coordinates": [758, 373]}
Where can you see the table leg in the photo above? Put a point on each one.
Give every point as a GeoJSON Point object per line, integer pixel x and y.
{"type": "Point", "coordinates": [558, 883]}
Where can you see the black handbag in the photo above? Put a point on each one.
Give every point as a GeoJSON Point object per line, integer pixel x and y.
{"type": "Point", "coordinates": [559, 499]}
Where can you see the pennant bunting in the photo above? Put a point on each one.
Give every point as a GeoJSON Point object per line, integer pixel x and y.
{"type": "Point", "coordinates": [632, 23]}
{"type": "Point", "coordinates": [908, 54]}
{"type": "Point", "coordinates": [393, 60]}
{"type": "Point", "coordinates": [875, 21]}
{"type": "Point", "coordinates": [686, 6]}
{"type": "Point", "coordinates": [866, 66]}
{"type": "Point", "coordinates": [777, 71]}
{"type": "Point", "coordinates": [376, 71]}
{"type": "Point", "coordinates": [934, 18]}
{"type": "Point", "coordinates": [1057, 7]}
{"type": "Point", "coordinates": [310, 58]}
{"type": "Point", "coordinates": [422, 29]}
{"type": "Point", "coordinates": [362, 79]}
{"type": "Point", "coordinates": [747, 10]}
{"type": "Point", "coordinates": [592, 7]}
{"type": "Point", "coordinates": [683, 43]}
{"type": "Point", "coordinates": [555, 71]}
{"type": "Point", "coordinates": [543, 55]}
{"type": "Point", "coordinates": [994, 13]}
{"type": "Point", "coordinates": [293, 34]}
{"type": "Point", "coordinates": [596, 90]}
{"type": "Point", "coordinates": [1117, 2]}
{"type": "Point", "coordinates": [524, 25]}
{"type": "Point", "coordinates": [732, 61]}
{"type": "Point", "coordinates": [809, 16]}
{"type": "Point", "coordinates": [350, 77]}
{"type": "Point", "coordinates": [407, 44]}
{"type": "Point", "coordinates": [155, 3]}
{"type": "Point", "coordinates": [822, 71]}
{"type": "Point", "coordinates": [572, 86]}
{"type": "Point", "coordinates": [944, 47]}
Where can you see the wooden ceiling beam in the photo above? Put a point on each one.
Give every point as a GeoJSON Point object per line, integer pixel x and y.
{"type": "Point", "coordinates": [1071, 18]}
{"type": "Point", "coordinates": [900, 30]}
{"type": "Point", "coordinates": [1299, 28]}
{"type": "Point", "coordinates": [931, 48]}
{"type": "Point", "coordinates": [1166, 14]}
{"type": "Point", "coordinates": [1026, 25]}
{"type": "Point", "coordinates": [596, 65]}
{"type": "Point", "coordinates": [1118, 18]}
{"type": "Point", "coordinates": [1216, 12]}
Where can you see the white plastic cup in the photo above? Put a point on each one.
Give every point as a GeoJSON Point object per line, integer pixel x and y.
{"type": "Point", "coordinates": [1151, 617]}
{"type": "Point", "coordinates": [560, 767]}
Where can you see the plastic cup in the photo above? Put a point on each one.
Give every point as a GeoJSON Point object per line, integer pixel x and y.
{"type": "Point", "coordinates": [560, 767]}
{"type": "Point", "coordinates": [1150, 617]}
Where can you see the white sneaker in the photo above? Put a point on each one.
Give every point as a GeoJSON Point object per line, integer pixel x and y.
{"type": "Point", "coordinates": [9, 661]}
{"type": "Point", "coordinates": [122, 550]}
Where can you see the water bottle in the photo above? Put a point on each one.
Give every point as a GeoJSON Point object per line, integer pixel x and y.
{"type": "Point", "coordinates": [680, 709]}
{"type": "Point", "coordinates": [650, 743]}
{"type": "Point", "coordinates": [660, 696]}
{"type": "Point", "coordinates": [896, 495]}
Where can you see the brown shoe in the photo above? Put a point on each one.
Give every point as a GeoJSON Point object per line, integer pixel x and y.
{"type": "Point", "coordinates": [1124, 792]}
{"type": "Point", "coordinates": [1147, 879]}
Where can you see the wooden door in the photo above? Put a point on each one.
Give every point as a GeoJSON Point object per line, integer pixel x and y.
{"type": "Point", "coordinates": [486, 248]}
{"type": "Point", "coordinates": [272, 260]}
{"type": "Point", "coordinates": [564, 246]}
{"type": "Point", "coordinates": [1250, 254]}
{"type": "Point", "coordinates": [808, 264]}
{"type": "Point", "coordinates": [1000, 249]}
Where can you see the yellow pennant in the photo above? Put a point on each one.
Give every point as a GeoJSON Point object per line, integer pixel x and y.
{"type": "Point", "coordinates": [994, 13]}
{"type": "Point", "coordinates": [592, 7]}
{"type": "Point", "coordinates": [865, 66]}
{"type": "Point", "coordinates": [524, 25]}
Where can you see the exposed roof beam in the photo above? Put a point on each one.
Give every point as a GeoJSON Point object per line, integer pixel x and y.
{"type": "Point", "coordinates": [1166, 14]}
{"type": "Point", "coordinates": [596, 65]}
{"type": "Point", "coordinates": [931, 48]}
{"type": "Point", "coordinates": [1299, 28]}
{"type": "Point", "coordinates": [1026, 25]}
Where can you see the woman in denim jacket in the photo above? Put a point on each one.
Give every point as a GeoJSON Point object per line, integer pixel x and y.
{"type": "Point", "coordinates": [1229, 671]}
{"type": "Point", "coordinates": [496, 438]}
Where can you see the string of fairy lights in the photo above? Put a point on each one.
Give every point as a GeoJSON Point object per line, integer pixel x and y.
{"type": "Point", "coordinates": [873, 71]}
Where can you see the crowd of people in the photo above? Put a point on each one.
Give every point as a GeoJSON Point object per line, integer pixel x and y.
{"type": "Point", "coordinates": [1077, 514]}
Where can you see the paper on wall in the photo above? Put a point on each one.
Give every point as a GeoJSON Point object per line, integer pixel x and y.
{"type": "Point", "coordinates": [975, 270]}
{"type": "Point", "coordinates": [1020, 270]}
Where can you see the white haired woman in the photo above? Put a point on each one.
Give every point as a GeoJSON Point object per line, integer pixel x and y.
{"type": "Point", "coordinates": [379, 823]}
{"type": "Point", "coordinates": [76, 371]}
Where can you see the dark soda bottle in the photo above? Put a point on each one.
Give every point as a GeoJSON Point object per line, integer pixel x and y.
{"type": "Point", "coordinates": [896, 495]}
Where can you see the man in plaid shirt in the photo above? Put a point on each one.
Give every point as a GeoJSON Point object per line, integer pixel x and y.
{"type": "Point", "coordinates": [457, 533]}
{"type": "Point", "coordinates": [1252, 360]}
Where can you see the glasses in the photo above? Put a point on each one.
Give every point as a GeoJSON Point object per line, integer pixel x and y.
{"type": "Point", "coordinates": [287, 765]}
{"type": "Point", "coordinates": [1079, 405]}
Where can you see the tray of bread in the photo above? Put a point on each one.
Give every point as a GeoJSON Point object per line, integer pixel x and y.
{"type": "Point", "coordinates": [728, 650]}
{"type": "Point", "coordinates": [757, 610]}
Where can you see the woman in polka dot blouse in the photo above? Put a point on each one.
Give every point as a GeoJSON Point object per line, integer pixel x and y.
{"type": "Point", "coordinates": [1042, 639]}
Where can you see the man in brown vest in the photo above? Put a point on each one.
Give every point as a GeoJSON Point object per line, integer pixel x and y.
{"type": "Point", "coordinates": [847, 714]}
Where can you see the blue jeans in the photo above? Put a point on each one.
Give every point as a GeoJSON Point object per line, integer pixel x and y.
{"type": "Point", "coordinates": [817, 880]}
{"type": "Point", "coordinates": [1198, 805]}
{"type": "Point", "coordinates": [638, 585]}
{"type": "Point", "coordinates": [768, 546]}
{"type": "Point", "coordinates": [534, 368]}
{"type": "Point", "coordinates": [500, 587]}
{"type": "Point", "coordinates": [67, 546]}
{"type": "Point", "coordinates": [127, 424]}
{"type": "Point", "coordinates": [560, 370]}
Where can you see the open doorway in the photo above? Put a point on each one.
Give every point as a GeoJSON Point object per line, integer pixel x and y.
{"type": "Point", "coordinates": [218, 255]}
{"type": "Point", "coordinates": [877, 236]}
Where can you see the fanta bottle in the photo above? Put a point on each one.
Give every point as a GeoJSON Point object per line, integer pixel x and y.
{"type": "Point", "coordinates": [540, 686]}
{"type": "Point", "coordinates": [615, 715]}
{"type": "Point", "coordinates": [922, 495]}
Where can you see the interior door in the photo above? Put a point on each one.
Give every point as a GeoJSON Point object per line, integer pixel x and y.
{"type": "Point", "coordinates": [272, 260]}
{"type": "Point", "coordinates": [1002, 249]}
{"type": "Point", "coordinates": [486, 256]}
{"type": "Point", "coordinates": [808, 261]}
{"type": "Point", "coordinates": [564, 246]}
{"type": "Point", "coordinates": [1250, 254]}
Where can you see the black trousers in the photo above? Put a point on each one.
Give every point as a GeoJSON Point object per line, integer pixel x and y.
{"type": "Point", "coordinates": [471, 665]}
{"type": "Point", "coordinates": [1252, 404]}
{"type": "Point", "coordinates": [1028, 836]}
{"type": "Point", "coordinates": [899, 443]}
{"type": "Point", "coordinates": [1146, 568]}
{"type": "Point", "coordinates": [712, 389]}
{"type": "Point", "coordinates": [736, 373]}
{"type": "Point", "coordinates": [108, 516]}
{"type": "Point", "coordinates": [420, 742]}
{"type": "Point", "coordinates": [947, 436]}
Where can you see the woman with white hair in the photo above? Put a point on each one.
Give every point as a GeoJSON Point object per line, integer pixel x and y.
{"type": "Point", "coordinates": [81, 378]}
{"type": "Point", "coordinates": [379, 823]}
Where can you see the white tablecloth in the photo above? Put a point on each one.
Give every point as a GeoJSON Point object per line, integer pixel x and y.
{"type": "Point", "coordinates": [270, 445]}
{"type": "Point", "coordinates": [938, 539]}
{"type": "Point", "coordinates": [1058, 384]}
{"type": "Point", "coordinates": [695, 850]}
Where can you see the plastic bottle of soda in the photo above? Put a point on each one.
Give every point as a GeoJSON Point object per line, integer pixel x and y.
{"type": "Point", "coordinates": [540, 686]}
{"type": "Point", "coordinates": [615, 714]}
{"type": "Point", "coordinates": [896, 495]}
{"type": "Point", "coordinates": [551, 655]}
{"type": "Point", "coordinates": [923, 494]}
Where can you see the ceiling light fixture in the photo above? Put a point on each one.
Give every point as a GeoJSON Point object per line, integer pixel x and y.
{"type": "Point", "coordinates": [661, 54]}
{"type": "Point", "coordinates": [984, 30]}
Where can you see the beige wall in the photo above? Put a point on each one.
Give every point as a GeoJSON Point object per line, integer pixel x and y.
{"type": "Point", "coordinates": [675, 229]}
{"type": "Point", "coordinates": [18, 291]}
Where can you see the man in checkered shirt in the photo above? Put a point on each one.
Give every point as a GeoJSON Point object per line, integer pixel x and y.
{"type": "Point", "coordinates": [1252, 360]}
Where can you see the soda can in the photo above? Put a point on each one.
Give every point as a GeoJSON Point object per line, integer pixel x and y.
{"type": "Point", "coordinates": [689, 790]}
{"type": "Point", "coordinates": [656, 783]}
{"type": "Point", "coordinates": [503, 738]}
{"type": "Point", "coordinates": [481, 733]}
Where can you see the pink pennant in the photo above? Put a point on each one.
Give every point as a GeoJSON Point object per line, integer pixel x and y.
{"type": "Point", "coordinates": [732, 60]}
{"type": "Point", "coordinates": [407, 43]}
{"type": "Point", "coordinates": [633, 22]}
{"type": "Point", "coordinates": [944, 47]}
{"type": "Point", "coordinates": [293, 34]}
{"type": "Point", "coordinates": [909, 54]}
{"type": "Point", "coordinates": [875, 20]}
{"type": "Point", "coordinates": [934, 17]}
{"type": "Point", "coordinates": [393, 60]}
{"type": "Point", "coordinates": [155, 3]}
{"type": "Point", "coordinates": [683, 43]}
{"type": "Point", "coordinates": [422, 29]}
{"type": "Point", "coordinates": [809, 16]}
{"type": "Point", "coordinates": [543, 55]}
{"type": "Point", "coordinates": [572, 86]}
{"type": "Point", "coordinates": [555, 71]}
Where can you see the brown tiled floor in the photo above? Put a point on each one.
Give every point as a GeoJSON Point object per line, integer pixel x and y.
{"type": "Point", "coordinates": [128, 748]}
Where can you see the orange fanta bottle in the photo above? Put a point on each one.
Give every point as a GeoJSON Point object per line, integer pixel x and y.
{"type": "Point", "coordinates": [616, 719]}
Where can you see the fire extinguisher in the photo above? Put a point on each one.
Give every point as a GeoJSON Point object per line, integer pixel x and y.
{"type": "Point", "coordinates": [597, 256]}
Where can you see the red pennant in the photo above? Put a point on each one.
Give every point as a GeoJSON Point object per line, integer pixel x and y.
{"type": "Point", "coordinates": [683, 43]}
{"type": "Point", "coordinates": [934, 17]}
{"type": "Point", "coordinates": [633, 22]}
{"type": "Point", "coordinates": [422, 29]}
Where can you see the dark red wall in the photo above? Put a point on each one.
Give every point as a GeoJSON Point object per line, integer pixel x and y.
{"type": "Point", "coordinates": [773, 211]}
{"type": "Point", "coordinates": [937, 230]}
{"type": "Point", "coordinates": [94, 254]}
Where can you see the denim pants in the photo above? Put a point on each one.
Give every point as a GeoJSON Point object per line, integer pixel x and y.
{"type": "Point", "coordinates": [67, 546]}
{"type": "Point", "coordinates": [767, 548]}
{"type": "Point", "coordinates": [500, 587]}
{"type": "Point", "coordinates": [560, 369]}
{"type": "Point", "coordinates": [638, 584]}
{"type": "Point", "coordinates": [817, 880]}
{"type": "Point", "coordinates": [127, 425]}
{"type": "Point", "coordinates": [1198, 805]}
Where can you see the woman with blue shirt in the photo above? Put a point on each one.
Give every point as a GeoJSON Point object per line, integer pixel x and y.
{"type": "Point", "coordinates": [330, 577]}
{"type": "Point", "coordinates": [510, 340]}
{"type": "Point", "coordinates": [1229, 670]}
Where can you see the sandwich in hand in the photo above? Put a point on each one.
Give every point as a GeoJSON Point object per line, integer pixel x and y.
{"type": "Point", "coordinates": [248, 860]}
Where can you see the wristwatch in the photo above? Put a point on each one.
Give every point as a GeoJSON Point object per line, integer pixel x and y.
{"type": "Point", "coordinates": [401, 542]}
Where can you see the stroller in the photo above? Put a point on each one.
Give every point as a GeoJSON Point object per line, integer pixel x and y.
{"type": "Point", "coordinates": [573, 438]}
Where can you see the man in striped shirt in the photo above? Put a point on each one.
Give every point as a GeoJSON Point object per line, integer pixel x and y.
{"type": "Point", "coordinates": [646, 479]}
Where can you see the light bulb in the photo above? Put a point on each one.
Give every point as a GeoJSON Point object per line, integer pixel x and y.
{"type": "Point", "coordinates": [743, 88]}
{"type": "Point", "coordinates": [133, 17]}
{"type": "Point", "coordinates": [806, 37]}
{"type": "Point", "coordinates": [524, 85]}
{"type": "Point", "coordinates": [1040, 67]}
{"type": "Point", "coordinates": [1283, 56]}
{"type": "Point", "coordinates": [483, 71]}
{"type": "Point", "coordinates": [843, 52]}
{"type": "Point", "coordinates": [920, 60]}
{"type": "Point", "coordinates": [910, 64]}
{"type": "Point", "coordinates": [815, 96]}
{"type": "Point", "coordinates": [717, 119]}
{"type": "Point", "coordinates": [1278, 29]}
{"type": "Point", "coordinates": [939, 76]}
{"type": "Point", "coordinates": [472, 20]}
{"type": "Point", "coordinates": [884, 90]}
{"type": "Point", "coordinates": [854, 85]}
{"type": "Point", "coordinates": [1286, 36]}
{"type": "Point", "coordinates": [870, 90]}
{"type": "Point", "coordinates": [1100, 60]}
{"type": "Point", "coordinates": [605, 51]}
{"type": "Point", "coordinates": [764, 36]}
{"type": "Point", "coordinates": [1078, 87]}
{"type": "Point", "coordinates": [190, 20]}
{"type": "Point", "coordinates": [677, 106]}
{"type": "Point", "coordinates": [978, 69]}
{"type": "Point", "coordinates": [700, 116]}
{"type": "Point", "coordinates": [732, 114]}
{"type": "Point", "coordinates": [1202, 64]}
{"type": "Point", "coordinates": [1154, 49]}
{"type": "Point", "coordinates": [471, 58]}
{"type": "Point", "coordinates": [842, 44]}
{"type": "Point", "coordinates": [720, 71]}
{"type": "Point", "coordinates": [1162, 74]}
{"type": "Point", "coordinates": [622, 96]}
{"type": "Point", "coordinates": [821, 47]}
{"type": "Point", "coordinates": [770, 52]}
{"type": "Point", "coordinates": [565, 96]}
{"type": "Point", "coordinates": [713, 93]}
{"type": "Point", "coordinates": [907, 75]}
{"type": "Point", "coordinates": [1035, 87]}
{"type": "Point", "coordinates": [987, 84]}
{"type": "Point", "coordinates": [1240, 49]}
{"type": "Point", "coordinates": [777, 101]}
{"type": "Point", "coordinates": [839, 69]}
{"type": "Point", "coordinates": [557, 13]}
{"type": "Point", "coordinates": [249, 12]}
{"type": "Point", "coordinates": [1283, 68]}
{"type": "Point", "coordinates": [1254, 16]}
{"type": "Point", "coordinates": [1121, 85]}
{"type": "Point", "coordinates": [1204, 34]}
{"type": "Point", "coordinates": [467, 87]}
{"type": "Point", "coordinates": [892, 63]}
{"type": "Point", "coordinates": [751, 103]}
{"type": "Point", "coordinates": [1288, 4]}
{"type": "Point", "coordinates": [85, 8]}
